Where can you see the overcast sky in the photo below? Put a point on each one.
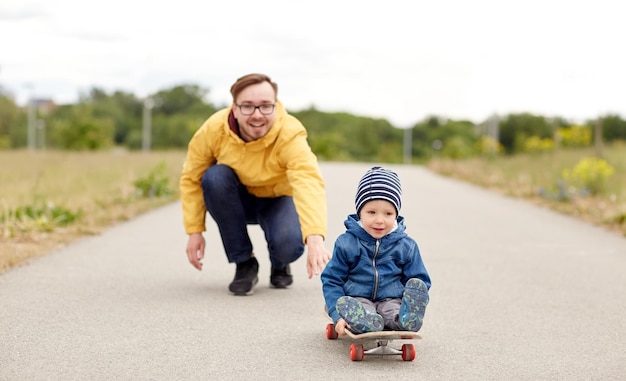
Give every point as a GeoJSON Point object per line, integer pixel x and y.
{"type": "Point", "coordinates": [398, 60]}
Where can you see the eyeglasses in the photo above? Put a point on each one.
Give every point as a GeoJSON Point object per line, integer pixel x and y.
{"type": "Point", "coordinates": [265, 109]}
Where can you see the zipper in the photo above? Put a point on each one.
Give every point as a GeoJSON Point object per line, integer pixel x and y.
{"type": "Point", "coordinates": [376, 275]}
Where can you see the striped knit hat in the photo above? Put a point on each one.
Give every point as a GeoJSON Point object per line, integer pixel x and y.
{"type": "Point", "coordinates": [379, 184]}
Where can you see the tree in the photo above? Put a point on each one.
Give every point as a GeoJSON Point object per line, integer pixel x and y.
{"type": "Point", "coordinates": [455, 139]}
{"type": "Point", "coordinates": [124, 109]}
{"type": "Point", "coordinates": [342, 136]}
{"type": "Point", "coordinates": [188, 99]}
{"type": "Point", "coordinates": [11, 118]}
{"type": "Point", "coordinates": [613, 128]}
{"type": "Point", "coordinates": [77, 128]}
{"type": "Point", "coordinates": [516, 128]}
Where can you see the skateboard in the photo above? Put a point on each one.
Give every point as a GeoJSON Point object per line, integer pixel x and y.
{"type": "Point", "coordinates": [381, 339]}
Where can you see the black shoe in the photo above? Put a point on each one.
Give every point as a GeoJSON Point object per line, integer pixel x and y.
{"type": "Point", "coordinates": [281, 278]}
{"type": "Point", "coordinates": [245, 277]}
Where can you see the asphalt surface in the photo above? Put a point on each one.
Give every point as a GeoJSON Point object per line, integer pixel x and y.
{"type": "Point", "coordinates": [519, 293]}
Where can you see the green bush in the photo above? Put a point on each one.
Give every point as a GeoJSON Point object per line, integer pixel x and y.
{"type": "Point", "coordinates": [535, 144]}
{"type": "Point", "coordinates": [39, 216]}
{"type": "Point", "coordinates": [590, 174]}
{"type": "Point", "coordinates": [155, 184]}
{"type": "Point", "coordinates": [574, 136]}
{"type": "Point", "coordinates": [488, 147]}
{"type": "Point", "coordinates": [457, 147]}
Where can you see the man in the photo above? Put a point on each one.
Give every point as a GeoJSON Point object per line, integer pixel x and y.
{"type": "Point", "coordinates": [251, 164]}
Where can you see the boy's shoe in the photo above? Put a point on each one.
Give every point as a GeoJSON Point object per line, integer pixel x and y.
{"type": "Point", "coordinates": [358, 318]}
{"type": "Point", "coordinates": [414, 301]}
{"type": "Point", "coordinates": [245, 277]}
{"type": "Point", "coordinates": [281, 278]}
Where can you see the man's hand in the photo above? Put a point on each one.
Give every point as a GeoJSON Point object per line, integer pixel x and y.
{"type": "Point", "coordinates": [317, 255]}
{"type": "Point", "coordinates": [195, 249]}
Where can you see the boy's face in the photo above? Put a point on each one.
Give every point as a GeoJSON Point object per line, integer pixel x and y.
{"type": "Point", "coordinates": [377, 217]}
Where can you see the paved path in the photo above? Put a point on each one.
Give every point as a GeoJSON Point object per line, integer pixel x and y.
{"type": "Point", "coordinates": [519, 293]}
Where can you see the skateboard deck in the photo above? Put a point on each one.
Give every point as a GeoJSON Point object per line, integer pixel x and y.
{"type": "Point", "coordinates": [384, 335]}
{"type": "Point", "coordinates": [380, 339]}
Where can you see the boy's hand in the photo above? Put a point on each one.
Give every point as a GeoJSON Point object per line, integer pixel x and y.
{"type": "Point", "coordinates": [340, 327]}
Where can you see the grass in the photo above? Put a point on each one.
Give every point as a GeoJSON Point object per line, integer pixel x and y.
{"type": "Point", "coordinates": [535, 178]}
{"type": "Point", "coordinates": [39, 190]}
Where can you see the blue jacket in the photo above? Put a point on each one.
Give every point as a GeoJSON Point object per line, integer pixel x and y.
{"type": "Point", "coordinates": [371, 268]}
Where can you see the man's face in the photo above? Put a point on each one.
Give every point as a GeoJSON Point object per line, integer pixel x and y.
{"type": "Point", "coordinates": [257, 125]}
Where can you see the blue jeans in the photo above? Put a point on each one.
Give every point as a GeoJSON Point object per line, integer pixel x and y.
{"type": "Point", "coordinates": [233, 209]}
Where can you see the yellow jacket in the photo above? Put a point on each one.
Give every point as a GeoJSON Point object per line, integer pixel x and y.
{"type": "Point", "coordinates": [279, 164]}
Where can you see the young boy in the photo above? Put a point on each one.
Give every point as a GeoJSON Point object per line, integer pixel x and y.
{"type": "Point", "coordinates": [376, 278]}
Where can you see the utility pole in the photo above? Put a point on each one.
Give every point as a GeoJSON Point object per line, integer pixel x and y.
{"type": "Point", "coordinates": [41, 126]}
{"type": "Point", "coordinates": [408, 145]}
{"type": "Point", "coordinates": [494, 127]}
{"type": "Point", "coordinates": [147, 124]}
{"type": "Point", "coordinates": [32, 120]}
{"type": "Point", "coordinates": [598, 138]}
{"type": "Point", "coordinates": [31, 117]}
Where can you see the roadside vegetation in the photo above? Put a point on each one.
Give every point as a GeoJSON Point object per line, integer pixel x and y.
{"type": "Point", "coordinates": [50, 198]}
{"type": "Point", "coordinates": [573, 181]}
